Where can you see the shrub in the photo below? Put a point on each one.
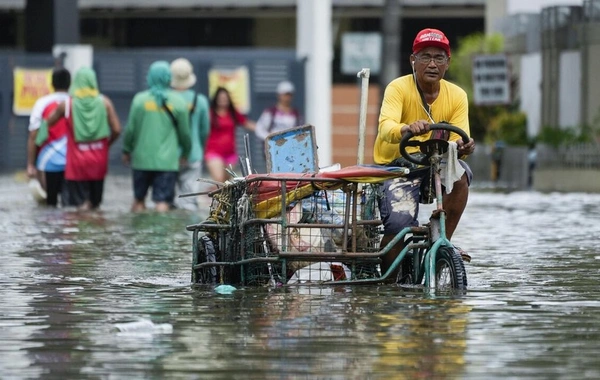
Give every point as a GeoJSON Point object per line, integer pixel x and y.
{"type": "Point", "coordinates": [509, 127]}
{"type": "Point", "coordinates": [556, 136]}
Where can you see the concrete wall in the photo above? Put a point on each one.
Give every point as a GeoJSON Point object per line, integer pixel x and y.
{"type": "Point", "coordinates": [567, 180]}
{"type": "Point", "coordinates": [569, 95]}
{"type": "Point", "coordinates": [591, 80]}
{"type": "Point", "coordinates": [480, 163]}
{"type": "Point", "coordinates": [514, 172]}
{"type": "Point", "coordinates": [345, 115]}
{"type": "Point", "coordinates": [530, 91]}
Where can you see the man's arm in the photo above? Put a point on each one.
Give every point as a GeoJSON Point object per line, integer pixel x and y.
{"type": "Point", "coordinates": [183, 130]}
{"type": "Point", "coordinates": [31, 154]}
{"type": "Point", "coordinates": [35, 119]}
{"type": "Point", "coordinates": [56, 114]}
{"type": "Point", "coordinates": [262, 125]}
{"type": "Point", "coordinates": [202, 108]}
{"type": "Point", "coordinates": [390, 126]}
{"type": "Point", "coordinates": [460, 119]}
{"type": "Point", "coordinates": [128, 137]}
{"type": "Point", "coordinates": [113, 120]}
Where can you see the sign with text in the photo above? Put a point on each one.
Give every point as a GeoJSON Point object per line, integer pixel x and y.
{"type": "Point", "coordinates": [236, 81]}
{"type": "Point", "coordinates": [491, 80]}
{"type": "Point", "coordinates": [29, 86]}
{"type": "Point", "coordinates": [361, 50]}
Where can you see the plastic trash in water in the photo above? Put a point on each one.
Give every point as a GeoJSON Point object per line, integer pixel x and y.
{"type": "Point", "coordinates": [37, 191]}
{"type": "Point", "coordinates": [144, 326]}
{"type": "Point", "coordinates": [225, 289]}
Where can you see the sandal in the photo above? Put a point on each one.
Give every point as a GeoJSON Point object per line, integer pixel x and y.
{"type": "Point", "coordinates": [463, 254]}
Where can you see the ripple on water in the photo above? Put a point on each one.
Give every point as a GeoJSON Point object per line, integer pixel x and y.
{"type": "Point", "coordinates": [68, 278]}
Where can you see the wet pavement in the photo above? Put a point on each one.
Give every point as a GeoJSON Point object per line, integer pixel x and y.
{"type": "Point", "coordinates": [106, 295]}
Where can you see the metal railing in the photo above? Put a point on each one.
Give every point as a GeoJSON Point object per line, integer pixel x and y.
{"type": "Point", "coordinates": [591, 10]}
{"type": "Point", "coordinates": [560, 16]}
{"type": "Point", "coordinates": [576, 156]}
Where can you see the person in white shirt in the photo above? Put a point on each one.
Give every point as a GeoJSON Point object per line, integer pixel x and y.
{"type": "Point", "coordinates": [47, 147]}
{"type": "Point", "coordinates": [281, 116]}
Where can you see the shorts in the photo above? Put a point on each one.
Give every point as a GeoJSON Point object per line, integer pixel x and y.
{"type": "Point", "coordinates": [231, 158]}
{"type": "Point", "coordinates": [162, 183]}
{"type": "Point", "coordinates": [400, 197]}
{"type": "Point", "coordinates": [82, 191]}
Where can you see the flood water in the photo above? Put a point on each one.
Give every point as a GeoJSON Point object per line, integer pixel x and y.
{"type": "Point", "coordinates": [72, 283]}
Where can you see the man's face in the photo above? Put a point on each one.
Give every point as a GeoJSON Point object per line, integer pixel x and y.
{"type": "Point", "coordinates": [431, 64]}
{"type": "Point", "coordinates": [286, 99]}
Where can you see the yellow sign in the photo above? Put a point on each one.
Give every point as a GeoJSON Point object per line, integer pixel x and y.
{"type": "Point", "coordinates": [29, 86]}
{"type": "Point", "coordinates": [236, 81]}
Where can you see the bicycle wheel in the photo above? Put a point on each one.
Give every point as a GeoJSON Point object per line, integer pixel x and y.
{"type": "Point", "coordinates": [207, 252]}
{"type": "Point", "coordinates": [450, 270]}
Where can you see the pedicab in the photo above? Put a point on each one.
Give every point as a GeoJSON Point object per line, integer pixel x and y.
{"type": "Point", "coordinates": [299, 225]}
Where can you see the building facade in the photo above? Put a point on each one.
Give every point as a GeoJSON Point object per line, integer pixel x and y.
{"type": "Point", "coordinates": [132, 26]}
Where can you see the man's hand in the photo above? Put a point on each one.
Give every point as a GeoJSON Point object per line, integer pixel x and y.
{"type": "Point", "coordinates": [183, 162]}
{"type": "Point", "coordinates": [126, 158]}
{"type": "Point", "coordinates": [31, 171]}
{"type": "Point", "coordinates": [419, 127]}
{"type": "Point", "coordinates": [465, 149]}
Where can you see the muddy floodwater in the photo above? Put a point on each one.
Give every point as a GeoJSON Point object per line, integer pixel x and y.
{"type": "Point", "coordinates": [106, 295]}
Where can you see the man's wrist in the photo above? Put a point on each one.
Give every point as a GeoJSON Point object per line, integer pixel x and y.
{"type": "Point", "coordinates": [404, 129]}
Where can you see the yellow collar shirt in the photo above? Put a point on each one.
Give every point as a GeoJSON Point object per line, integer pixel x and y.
{"type": "Point", "coordinates": [402, 105]}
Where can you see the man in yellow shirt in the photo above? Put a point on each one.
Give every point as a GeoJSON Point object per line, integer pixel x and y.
{"type": "Point", "coordinates": [411, 103]}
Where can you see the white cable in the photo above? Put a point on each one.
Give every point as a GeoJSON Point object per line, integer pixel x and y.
{"type": "Point", "coordinates": [421, 103]}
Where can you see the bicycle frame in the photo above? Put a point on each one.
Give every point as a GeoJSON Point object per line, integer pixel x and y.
{"type": "Point", "coordinates": [239, 239]}
{"type": "Point", "coordinates": [435, 235]}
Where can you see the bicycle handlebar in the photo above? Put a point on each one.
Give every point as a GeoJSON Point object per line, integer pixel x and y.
{"type": "Point", "coordinates": [404, 142]}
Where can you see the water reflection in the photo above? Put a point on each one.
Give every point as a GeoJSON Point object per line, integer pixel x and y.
{"type": "Point", "coordinates": [68, 279]}
{"type": "Point", "coordinates": [342, 334]}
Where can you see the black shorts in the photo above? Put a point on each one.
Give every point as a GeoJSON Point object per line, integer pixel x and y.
{"type": "Point", "coordinates": [400, 197]}
{"type": "Point", "coordinates": [162, 183]}
{"type": "Point", "coordinates": [81, 191]}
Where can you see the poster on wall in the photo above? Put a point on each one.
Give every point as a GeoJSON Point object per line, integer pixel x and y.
{"type": "Point", "coordinates": [361, 50]}
{"type": "Point", "coordinates": [29, 86]}
{"type": "Point", "coordinates": [236, 81]}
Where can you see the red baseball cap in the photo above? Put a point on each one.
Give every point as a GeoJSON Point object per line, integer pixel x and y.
{"type": "Point", "coordinates": [431, 37]}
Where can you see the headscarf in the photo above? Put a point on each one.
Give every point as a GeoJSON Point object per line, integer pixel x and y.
{"type": "Point", "coordinates": [90, 121]}
{"type": "Point", "coordinates": [159, 80]}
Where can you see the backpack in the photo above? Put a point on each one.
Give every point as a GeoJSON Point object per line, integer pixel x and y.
{"type": "Point", "coordinates": [273, 110]}
{"type": "Point", "coordinates": [194, 101]}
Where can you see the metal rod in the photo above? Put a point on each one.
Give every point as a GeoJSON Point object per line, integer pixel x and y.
{"type": "Point", "coordinates": [240, 262]}
{"type": "Point", "coordinates": [315, 225]}
{"type": "Point", "coordinates": [212, 181]}
{"type": "Point", "coordinates": [207, 227]}
{"type": "Point", "coordinates": [354, 195]}
{"type": "Point", "coordinates": [284, 220]}
{"type": "Point", "coordinates": [194, 194]}
{"type": "Point", "coordinates": [342, 255]}
{"type": "Point", "coordinates": [346, 223]}
{"type": "Point", "coordinates": [362, 120]}
{"type": "Point", "coordinates": [243, 166]}
{"type": "Point", "coordinates": [247, 149]}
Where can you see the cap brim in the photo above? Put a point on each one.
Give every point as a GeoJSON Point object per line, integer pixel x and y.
{"type": "Point", "coordinates": [422, 45]}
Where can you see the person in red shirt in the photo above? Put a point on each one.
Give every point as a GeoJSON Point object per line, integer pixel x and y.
{"type": "Point", "coordinates": [92, 126]}
{"type": "Point", "coordinates": [220, 146]}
